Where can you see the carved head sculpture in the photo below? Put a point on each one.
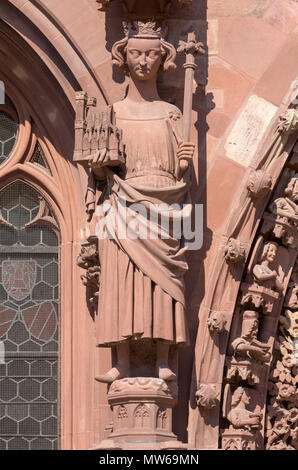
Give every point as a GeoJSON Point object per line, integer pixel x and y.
{"type": "Point", "coordinates": [240, 396]}
{"type": "Point", "coordinates": [292, 189]}
{"type": "Point", "coordinates": [234, 251]}
{"type": "Point", "coordinates": [216, 322]}
{"type": "Point", "coordinates": [207, 396]}
{"type": "Point", "coordinates": [143, 51]}
{"type": "Point", "coordinates": [259, 183]}
{"type": "Point", "coordinates": [293, 319]}
{"type": "Point", "coordinates": [250, 324]}
{"type": "Point", "coordinates": [269, 252]}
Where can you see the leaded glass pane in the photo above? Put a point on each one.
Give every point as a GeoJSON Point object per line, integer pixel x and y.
{"type": "Point", "coordinates": [28, 324]}
{"type": "Point", "coordinates": [39, 159]}
{"type": "Point", "coordinates": [8, 135]}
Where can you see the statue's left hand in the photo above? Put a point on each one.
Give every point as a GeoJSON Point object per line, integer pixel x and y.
{"type": "Point", "coordinates": [185, 154]}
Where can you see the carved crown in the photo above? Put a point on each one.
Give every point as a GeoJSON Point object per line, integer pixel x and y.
{"type": "Point", "coordinates": [138, 29]}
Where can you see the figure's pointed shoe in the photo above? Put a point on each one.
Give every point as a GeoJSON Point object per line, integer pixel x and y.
{"type": "Point", "coordinates": [165, 373]}
{"type": "Point", "coordinates": [116, 373]}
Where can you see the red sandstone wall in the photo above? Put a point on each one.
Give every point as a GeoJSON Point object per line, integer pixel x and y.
{"type": "Point", "coordinates": [252, 50]}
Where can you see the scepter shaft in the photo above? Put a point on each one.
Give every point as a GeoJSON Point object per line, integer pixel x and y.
{"type": "Point", "coordinates": [189, 67]}
{"type": "Point", "coordinates": [191, 48]}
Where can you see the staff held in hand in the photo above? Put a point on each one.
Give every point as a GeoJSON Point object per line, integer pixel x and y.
{"type": "Point", "coordinates": [191, 48]}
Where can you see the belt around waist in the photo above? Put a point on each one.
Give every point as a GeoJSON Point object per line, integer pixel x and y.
{"type": "Point", "coordinates": [137, 174]}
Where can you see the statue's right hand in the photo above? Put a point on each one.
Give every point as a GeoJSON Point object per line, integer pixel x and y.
{"type": "Point", "coordinates": [255, 420]}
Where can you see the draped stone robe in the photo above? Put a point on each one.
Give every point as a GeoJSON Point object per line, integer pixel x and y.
{"type": "Point", "coordinates": [141, 292]}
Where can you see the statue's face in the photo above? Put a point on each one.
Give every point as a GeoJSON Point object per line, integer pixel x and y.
{"type": "Point", "coordinates": [250, 326]}
{"type": "Point", "coordinates": [232, 249]}
{"type": "Point", "coordinates": [216, 322]}
{"type": "Point", "coordinates": [271, 253]}
{"type": "Point", "coordinates": [246, 398]}
{"type": "Point", "coordinates": [143, 58]}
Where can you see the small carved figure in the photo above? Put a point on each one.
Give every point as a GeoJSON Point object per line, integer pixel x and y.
{"type": "Point", "coordinates": [262, 273]}
{"type": "Point", "coordinates": [216, 322]}
{"type": "Point", "coordinates": [234, 251]}
{"type": "Point", "coordinates": [207, 395]}
{"type": "Point", "coordinates": [259, 184]}
{"type": "Point", "coordinates": [88, 259]}
{"type": "Point", "coordinates": [239, 416]}
{"type": "Point", "coordinates": [286, 206]}
{"type": "Point", "coordinates": [288, 121]}
{"type": "Point", "coordinates": [291, 300]}
{"type": "Point", "coordinates": [248, 344]}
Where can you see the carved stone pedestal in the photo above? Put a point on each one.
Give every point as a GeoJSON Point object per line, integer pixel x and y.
{"type": "Point", "coordinates": [238, 439]}
{"type": "Point", "coordinates": [142, 414]}
{"type": "Point", "coordinates": [257, 297]}
{"type": "Point", "coordinates": [244, 370]}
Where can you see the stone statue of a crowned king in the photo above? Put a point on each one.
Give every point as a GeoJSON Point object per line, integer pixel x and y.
{"type": "Point", "coordinates": [141, 166]}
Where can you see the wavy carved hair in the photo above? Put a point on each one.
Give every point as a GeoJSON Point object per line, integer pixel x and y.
{"type": "Point", "coordinates": [168, 52]}
{"type": "Point", "coordinates": [290, 188]}
{"type": "Point", "coordinates": [237, 396]}
{"type": "Point", "coordinates": [266, 249]}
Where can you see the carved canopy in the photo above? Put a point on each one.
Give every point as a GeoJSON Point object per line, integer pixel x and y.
{"type": "Point", "coordinates": [161, 7]}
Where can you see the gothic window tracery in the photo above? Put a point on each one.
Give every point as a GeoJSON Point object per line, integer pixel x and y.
{"type": "Point", "coordinates": [29, 299]}
{"type": "Point", "coordinates": [8, 129]}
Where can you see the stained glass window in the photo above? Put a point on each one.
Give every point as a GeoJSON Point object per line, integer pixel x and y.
{"type": "Point", "coordinates": [39, 159]}
{"type": "Point", "coordinates": [29, 321]}
{"type": "Point", "coordinates": [8, 135]}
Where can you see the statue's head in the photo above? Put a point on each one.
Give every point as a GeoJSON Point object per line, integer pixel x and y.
{"type": "Point", "coordinates": [240, 395]}
{"type": "Point", "coordinates": [143, 51]}
{"type": "Point", "coordinates": [269, 252]}
{"type": "Point", "coordinates": [216, 322]}
{"type": "Point", "coordinates": [292, 189]}
{"type": "Point", "coordinates": [250, 323]}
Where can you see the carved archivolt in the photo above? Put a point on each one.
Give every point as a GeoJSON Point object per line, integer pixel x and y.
{"type": "Point", "coordinates": [282, 399]}
{"type": "Point", "coordinates": [255, 322]}
{"type": "Point", "coordinates": [267, 252]}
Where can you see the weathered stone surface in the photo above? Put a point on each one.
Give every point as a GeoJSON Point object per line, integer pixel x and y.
{"type": "Point", "coordinates": [283, 15]}
{"type": "Point", "coordinates": [249, 129]}
{"type": "Point", "coordinates": [259, 44]}
{"type": "Point", "coordinates": [274, 85]}
{"type": "Point", "coordinates": [223, 175]}
{"type": "Point", "coordinates": [218, 123]}
{"type": "Point", "coordinates": [232, 84]}
{"type": "Point", "coordinates": [223, 8]}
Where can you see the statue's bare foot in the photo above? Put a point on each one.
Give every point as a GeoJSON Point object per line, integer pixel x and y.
{"type": "Point", "coordinates": [115, 373]}
{"type": "Point", "coordinates": [165, 373]}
